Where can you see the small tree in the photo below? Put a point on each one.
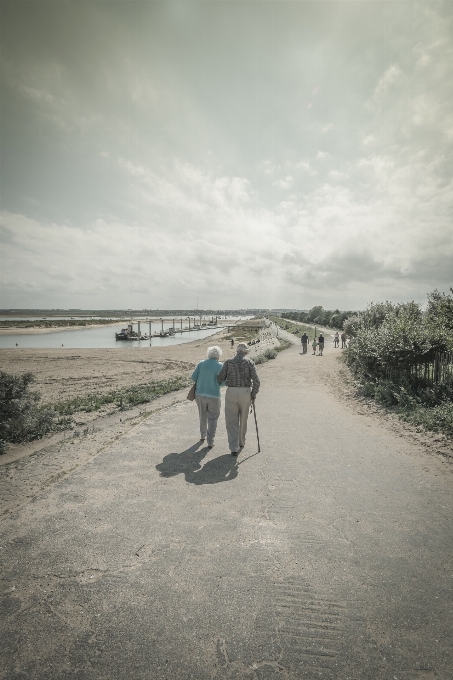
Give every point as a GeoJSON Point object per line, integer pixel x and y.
{"type": "Point", "coordinates": [315, 312]}
{"type": "Point", "coordinates": [439, 319]}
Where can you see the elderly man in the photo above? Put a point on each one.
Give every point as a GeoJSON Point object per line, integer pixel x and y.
{"type": "Point", "coordinates": [242, 387]}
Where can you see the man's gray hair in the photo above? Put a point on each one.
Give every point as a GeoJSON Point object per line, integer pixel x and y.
{"type": "Point", "coordinates": [242, 348]}
{"type": "Point", "coordinates": [214, 352]}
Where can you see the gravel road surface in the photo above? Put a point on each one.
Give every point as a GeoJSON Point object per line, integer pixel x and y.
{"type": "Point", "coordinates": [147, 556]}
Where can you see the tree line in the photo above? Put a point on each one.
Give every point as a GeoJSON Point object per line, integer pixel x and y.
{"type": "Point", "coordinates": [321, 317]}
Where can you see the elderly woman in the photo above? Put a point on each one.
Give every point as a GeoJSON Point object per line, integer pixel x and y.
{"type": "Point", "coordinates": [207, 393]}
{"type": "Point", "coordinates": [243, 385]}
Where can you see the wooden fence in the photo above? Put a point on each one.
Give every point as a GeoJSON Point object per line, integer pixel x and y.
{"type": "Point", "coordinates": [438, 370]}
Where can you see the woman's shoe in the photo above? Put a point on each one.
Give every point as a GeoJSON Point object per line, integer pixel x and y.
{"type": "Point", "coordinates": [235, 453]}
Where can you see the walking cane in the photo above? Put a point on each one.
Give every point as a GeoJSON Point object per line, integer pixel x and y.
{"type": "Point", "coordinates": [256, 425]}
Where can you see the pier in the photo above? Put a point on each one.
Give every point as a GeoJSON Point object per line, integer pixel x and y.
{"type": "Point", "coordinates": [174, 326]}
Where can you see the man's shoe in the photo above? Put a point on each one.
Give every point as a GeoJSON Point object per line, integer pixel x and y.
{"type": "Point", "coordinates": [235, 453]}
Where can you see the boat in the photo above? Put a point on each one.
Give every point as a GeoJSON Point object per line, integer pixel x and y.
{"type": "Point", "coordinates": [127, 334]}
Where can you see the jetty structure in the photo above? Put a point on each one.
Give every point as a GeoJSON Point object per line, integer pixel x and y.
{"type": "Point", "coordinates": [195, 324]}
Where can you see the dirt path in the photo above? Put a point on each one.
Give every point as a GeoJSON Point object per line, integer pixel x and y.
{"type": "Point", "coordinates": [328, 555]}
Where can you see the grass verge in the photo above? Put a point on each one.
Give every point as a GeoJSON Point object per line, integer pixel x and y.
{"type": "Point", "coordinates": [435, 415]}
{"type": "Point", "coordinates": [435, 418]}
{"type": "Point", "coordinates": [124, 398]}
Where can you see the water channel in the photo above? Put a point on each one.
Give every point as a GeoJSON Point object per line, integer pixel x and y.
{"type": "Point", "coordinates": [100, 337]}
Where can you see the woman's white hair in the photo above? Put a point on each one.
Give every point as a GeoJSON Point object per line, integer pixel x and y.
{"type": "Point", "coordinates": [214, 352]}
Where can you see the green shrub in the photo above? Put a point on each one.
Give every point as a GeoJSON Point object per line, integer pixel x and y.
{"type": "Point", "coordinates": [284, 344]}
{"type": "Point", "coordinates": [385, 393]}
{"type": "Point", "coordinates": [21, 418]}
{"type": "Point", "coordinates": [401, 339]}
{"type": "Point", "coordinates": [388, 341]}
{"type": "Point", "coordinates": [272, 352]}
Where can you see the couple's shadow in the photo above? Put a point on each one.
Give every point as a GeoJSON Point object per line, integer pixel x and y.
{"type": "Point", "coordinates": [188, 463]}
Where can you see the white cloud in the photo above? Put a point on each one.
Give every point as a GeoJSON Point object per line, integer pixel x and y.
{"type": "Point", "coordinates": [369, 140]}
{"type": "Point", "coordinates": [386, 81]}
{"type": "Point", "coordinates": [337, 176]}
{"type": "Point", "coordinates": [303, 165]}
{"type": "Point", "coordinates": [270, 168]}
{"type": "Point", "coordinates": [284, 184]}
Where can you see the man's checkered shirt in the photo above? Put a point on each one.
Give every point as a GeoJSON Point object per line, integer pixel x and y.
{"type": "Point", "coordinates": [240, 372]}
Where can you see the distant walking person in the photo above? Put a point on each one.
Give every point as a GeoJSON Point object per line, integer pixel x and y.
{"type": "Point", "coordinates": [232, 342]}
{"type": "Point", "coordinates": [321, 344]}
{"type": "Point", "coordinates": [314, 345]}
{"type": "Point", "coordinates": [242, 387]}
{"type": "Point", "coordinates": [304, 341]}
{"type": "Point", "coordinates": [343, 340]}
{"type": "Point", "coordinates": [207, 393]}
{"type": "Point", "coordinates": [336, 339]}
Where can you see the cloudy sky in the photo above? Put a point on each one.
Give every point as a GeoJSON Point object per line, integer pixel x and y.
{"type": "Point", "coordinates": [266, 153]}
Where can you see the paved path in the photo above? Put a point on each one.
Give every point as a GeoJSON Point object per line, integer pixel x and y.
{"type": "Point", "coordinates": [328, 555]}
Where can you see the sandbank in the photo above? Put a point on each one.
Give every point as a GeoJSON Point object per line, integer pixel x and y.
{"type": "Point", "coordinates": [58, 329]}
